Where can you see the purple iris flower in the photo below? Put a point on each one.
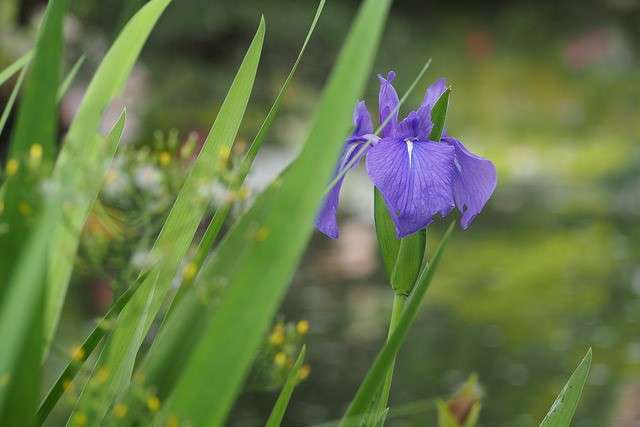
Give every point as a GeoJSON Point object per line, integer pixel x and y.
{"type": "Point", "coordinates": [418, 178]}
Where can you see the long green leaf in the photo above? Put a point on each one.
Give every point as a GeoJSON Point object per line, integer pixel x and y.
{"type": "Point", "coordinates": [66, 83]}
{"type": "Point", "coordinates": [565, 405]}
{"type": "Point", "coordinates": [19, 64]}
{"type": "Point", "coordinates": [214, 227]}
{"type": "Point", "coordinates": [98, 333]}
{"type": "Point", "coordinates": [22, 260]}
{"type": "Point", "coordinates": [84, 151]}
{"type": "Point", "coordinates": [163, 363]}
{"type": "Point", "coordinates": [439, 115]}
{"type": "Point", "coordinates": [375, 377]}
{"type": "Point", "coordinates": [280, 407]}
{"type": "Point", "coordinates": [175, 237]}
{"type": "Point", "coordinates": [12, 99]}
{"type": "Point", "coordinates": [280, 222]}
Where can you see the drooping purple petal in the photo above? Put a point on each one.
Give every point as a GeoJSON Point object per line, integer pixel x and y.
{"type": "Point", "coordinates": [474, 182]}
{"type": "Point", "coordinates": [415, 179]}
{"type": "Point", "coordinates": [326, 221]}
{"type": "Point", "coordinates": [388, 104]}
{"type": "Point", "coordinates": [434, 91]}
{"type": "Point", "coordinates": [362, 120]}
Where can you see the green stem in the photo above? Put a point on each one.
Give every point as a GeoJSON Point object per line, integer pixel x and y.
{"type": "Point", "coordinates": [398, 306]}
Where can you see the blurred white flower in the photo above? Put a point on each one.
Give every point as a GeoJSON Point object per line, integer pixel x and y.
{"type": "Point", "coordinates": [215, 193]}
{"type": "Point", "coordinates": [148, 178]}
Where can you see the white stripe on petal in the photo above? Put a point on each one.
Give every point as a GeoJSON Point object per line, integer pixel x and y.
{"type": "Point", "coordinates": [409, 149]}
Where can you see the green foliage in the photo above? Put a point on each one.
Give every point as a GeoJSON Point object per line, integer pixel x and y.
{"type": "Point", "coordinates": [280, 221]}
{"type": "Point", "coordinates": [280, 407]}
{"type": "Point", "coordinates": [22, 251]}
{"type": "Point", "coordinates": [16, 66]}
{"type": "Point", "coordinates": [174, 240]}
{"type": "Point", "coordinates": [565, 405]}
{"type": "Point", "coordinates": [367, 392]}
{"type": "Point", "coordinates": [84, 152]}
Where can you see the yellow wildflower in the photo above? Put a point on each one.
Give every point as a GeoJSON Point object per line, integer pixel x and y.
{"type": "Point", "coordinates": [153, 403]}
{"type": "Point", "coordinates": [35, 151]}
{"type": "Point", "coordinates": [120, 410]}
{"type": "Point", "coordinates": [304, 372]}
{"type": "Point", "coordinates": [190, 271]}
{"type": "Point", "coordinates": [280, 359]}
{"type": "Point", "coordinates": [164, 158]}
{"type": "Point", "coordinates": [302, 327]}
{"type": "Point", "coordinates": [12, 167]}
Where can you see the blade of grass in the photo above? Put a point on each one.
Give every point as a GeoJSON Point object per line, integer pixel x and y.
{"type": "Point", "coordinates": [214, 227]}
{"type": "Point", "coordinates": [36, 123]}
{"type": "Point", "coordinates": [64, 86]}
{"type": "Point", "coordinates": [280, 407]}
{"type": "Point", "coordinates": [85, 350]}
{"type": "Point", "coordinates": [175, 238]}
{"type": "Point", "coordinates": [98, 333]}
{"type": "Point", "coordinates": [22, 252]}
{"type": "Point", "coordinates": [376, 375]}
{"type": "Point", "coordinates": [18, 65]}
{"type": "Point", "coordinates": [268, 241]}
{"type": "Point", "coordinates": [14, 93]}
{"type": "Point", "coordinates": [564, 407]}
{"type": "Point", "coordinates": [74, 173]}
{"type": "Point", "coordinates": [12, 99]}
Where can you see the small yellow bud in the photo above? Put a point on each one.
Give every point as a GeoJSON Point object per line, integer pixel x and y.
{"type": "Point", "coordinates": [4, 379]}
{"type": "Point", "coordinates": [111, 177]}
{"type": "Point", "coordinates": [80, 419]}
{"type": "Point", "coordinates": [120, 410]}
{"type": "Point", "coordinates": [24, 209]}
{"type": "Point", "coordinates": [190, 271]}
{"type": "Point", "coordinates": [12, 167]}
{"type": "Point", "coordinates": [77, 354]}
{"type": "Point", "coordinates": [279, 328]}
{"type": "Point", "coordinates": [164, 158]}
{"type": "Point", "coordinates": [153, 403]}
{"type": "Point", "coordinates": [224, 153]}
{"type": "Point", "coordinates": [302, 327]}
{"type": "Point", "coordinates": [304, 372]}
{"type": "Point", "coordinates": [138, 377]}
{"type": "Point", "coordinates": [172, 421]}
{"type": "Point", "coordinates": [280, 359]}
{"type": "Point", "coordinates": [35, 151]}
{"type": "Point", "coordinates": [276, 338]}
{"type": "Point", "coordinates": [102, 375]}
{"type": "Point", "coordinates": [243, 192]}
{"type": "Point", "coordinates": [262, 234]}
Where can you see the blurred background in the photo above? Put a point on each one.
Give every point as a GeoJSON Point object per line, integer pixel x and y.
{"type": "Point", "coordinates": [549, 90]}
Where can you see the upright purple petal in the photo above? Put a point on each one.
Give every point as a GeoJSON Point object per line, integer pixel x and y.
{"type": "Point", "coordinates": [434, 91]}
{"type": "Point", "coordinates": [474, 182]}
{"type": "Point", "coordinates": [415, 179]}
{"type": "Point", "coordinates": [362, 120]}
{"type": "Point", "coordinates": [417, 124]}
{"type": "Point", "coordinates": [388, 104]}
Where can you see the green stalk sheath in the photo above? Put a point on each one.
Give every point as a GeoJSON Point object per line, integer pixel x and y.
{"type": "Point", "coordinates": [398, 306]}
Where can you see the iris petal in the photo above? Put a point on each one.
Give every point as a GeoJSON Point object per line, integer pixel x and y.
{"type": "Point", "coordinates": [326, 220]}
{"type": "Point", "coordinates": [388, 104]}
{"type": "Point", "coordinates": [362, 120]}
{"type": "Point", "coordinates": [415, 179]}
{"type": "Point", "coordinates": [434, 92]}
{"type": "Point", "coordinates": [474, 182]}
